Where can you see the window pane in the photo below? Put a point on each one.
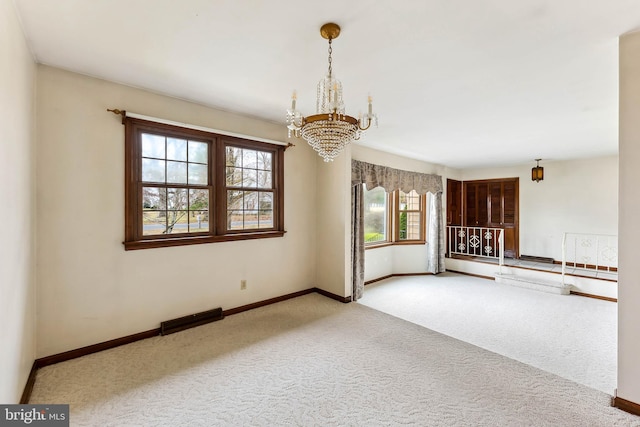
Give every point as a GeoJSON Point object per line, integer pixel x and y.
{"type": "Point", "coordinates": [198, 152]}
{"type": "Point", "coordinates": [154, 222]}
{"type": "Point", "coordinates": [234, 200]}
{"type": "Point", "coordinates": [250, 219]}
{"type": "Point", "coordinates": [264, 160]}
{"type": "Point", "coordinates": [198, 174]}
{"type": "Point", "coordinates": [153, 170]}
{"type": "Point", "coordinates": [176, 149]}
{"type": "Point", "coordinates": [235, 220]}
{"type": "Point", "coordinates": [266, 201]}
{"type": "Point", "coordinates": [177, 222]}
{"type": "Point", "coordinates": [198, 200]}
{"type": "Point", "coordinates": [402, 200]}
{"type": "Point", "coordinates": [234, 156]}
{"type": "Point", "coordinates": [375, 215]}
{"type": "Point", "coordinates": [154, 198]}
{"type": "Point", "coordinates": [234, 177]}
{"type": "Point", "coordinates": [152, 146]}
{"type": "Point", "coordinates": [266, 219]}
{"type": "Point", "coordinates": [249, 159]}
{"type": "Point", "coordinates": [198, 211]}
{"type": "Point", "coordinates": [176, 199]}
{"type": "Point", "coordinates": [250, 200]}
{"type": "Point", "coordinates": [264, 179]}
{"type": "Point", "coordinates": [177, 172]}
{"type": "Point", "coordinates": [249, 178]}
{"type": "Point", "coordinates": [198, 221]}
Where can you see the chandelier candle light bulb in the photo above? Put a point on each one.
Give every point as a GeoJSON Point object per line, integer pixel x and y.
{"type": "Point", "coordinates": [330, 129]}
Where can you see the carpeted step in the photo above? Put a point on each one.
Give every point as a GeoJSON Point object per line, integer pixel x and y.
{"type": "Point", "coordinates": [533, 283]}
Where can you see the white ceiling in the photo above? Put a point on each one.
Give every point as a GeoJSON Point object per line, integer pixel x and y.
{"type": "Point", "coordinates": [463, 83]}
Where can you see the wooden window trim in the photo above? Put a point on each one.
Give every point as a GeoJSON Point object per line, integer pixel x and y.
{"type": "Point", "coordinates": [217, 180]}
{"type": "Point", "coordinates": [196, 240]}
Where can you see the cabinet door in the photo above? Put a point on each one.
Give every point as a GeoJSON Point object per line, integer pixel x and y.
{"type": "Point", "coordinates": [495, 204]}
{"type": "Point", "coordinates": [476, 205]}
{"type": "Point", "coordinates": [510, 217]}
{"type": "Point", "coordinates": [454, 202]}
{"type": "Point", "coordinates": [471, 204]}
{"type": "Point", "coordinates": [482, 200]}
{"type": "Point", "coordinates": [510, 203]}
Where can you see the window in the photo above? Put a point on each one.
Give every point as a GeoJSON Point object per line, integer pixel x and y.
{"type": "Point", "coordinates": [249, 189]}
{"type": "Point", "coordinates": [187, 186]}
{"type": "Point", "coordinates": [410, 214]}
{"type": "Point", "coordinates": [376, 217]}
{"type": "Point", "coordinates": [404, 213]}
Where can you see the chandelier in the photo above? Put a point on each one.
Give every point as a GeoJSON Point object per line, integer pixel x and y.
{"type": "Point", "coordinates": [537, 173]}
{"type": "Point", "coordinates": [330, 129]}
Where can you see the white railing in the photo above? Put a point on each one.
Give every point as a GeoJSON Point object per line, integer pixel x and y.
{"type": "Point", "coordinates": [476, 241]}
{"type": "Point", "coordinates": [597, 252]}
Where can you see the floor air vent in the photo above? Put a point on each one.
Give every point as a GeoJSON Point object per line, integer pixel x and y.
{"type": "Point", "coordinates": [191, 321]}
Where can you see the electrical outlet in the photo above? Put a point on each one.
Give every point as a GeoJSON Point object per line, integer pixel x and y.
{"type": "Point", "coordinates": [243, 285]}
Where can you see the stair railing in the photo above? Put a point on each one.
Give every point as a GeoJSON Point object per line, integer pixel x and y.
{"type": "Point", "coordinates": [585, 251]}
{"type": "Point", "coordinates": [485, 242]}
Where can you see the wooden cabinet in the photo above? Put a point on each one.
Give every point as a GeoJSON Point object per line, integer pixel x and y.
{"type": "Point", "coordinates": [487, 203]}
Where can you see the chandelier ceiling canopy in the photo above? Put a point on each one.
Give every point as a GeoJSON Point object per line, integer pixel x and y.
{"type": "Point", "coordinates": [330, 129]}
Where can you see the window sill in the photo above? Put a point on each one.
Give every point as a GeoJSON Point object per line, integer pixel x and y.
{"type": "Point", "coordinates": [197, 240]}
{"type": "Point", "coordinates": [377, 245]}
{"type": "Point", "coordinates": [403, 243]}
{"type": "Point", "coordinates": [410, 242]}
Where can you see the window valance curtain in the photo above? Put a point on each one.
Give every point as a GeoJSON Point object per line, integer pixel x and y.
{"type": "Point", "coordinates": [394, 179]}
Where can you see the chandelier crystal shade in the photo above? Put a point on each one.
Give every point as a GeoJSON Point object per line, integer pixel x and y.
{"type": "Point", "coordinates": [330, 129]}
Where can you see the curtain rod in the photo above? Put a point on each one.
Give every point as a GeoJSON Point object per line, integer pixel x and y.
{"type": "Point", "coordinates": [125, 113]}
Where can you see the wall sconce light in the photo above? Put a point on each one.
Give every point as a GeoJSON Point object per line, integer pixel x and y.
{"type": "Point", "coordinates": [537, 173]}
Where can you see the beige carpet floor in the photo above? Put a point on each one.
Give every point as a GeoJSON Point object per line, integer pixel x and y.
{"type": "Point", "coordinates": [571, 336]}
{"type": "Point", "coordinates": [312, 361]}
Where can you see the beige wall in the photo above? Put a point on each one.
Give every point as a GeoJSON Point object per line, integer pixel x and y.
{"type": "Point", "coordinates": [17, 191]}
{"type": "Point", "coordinates": [629, 274]}
{"type": "Point", "coordinates": [334, 224]}
{"type": "Point", "coordinates": [90, 289]}
{"type": "Point", "coordinates": [578, 196]}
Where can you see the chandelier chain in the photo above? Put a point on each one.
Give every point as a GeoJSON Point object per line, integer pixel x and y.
{"type": "Point", "coordinates": [330, 51]}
